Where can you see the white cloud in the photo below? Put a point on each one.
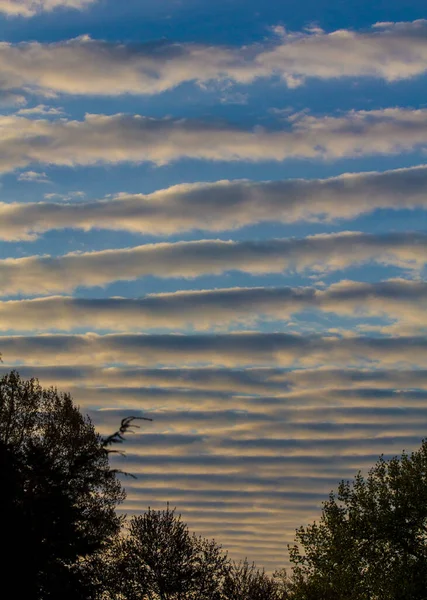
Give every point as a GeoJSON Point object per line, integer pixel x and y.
{"type": "Point", "coordinates": [33, 177]}
{"type": "Point", "coordinates": [29, 8]}
{"type": "Point", "coordinates": [401, 300]}
{"type": "Point", "coordinates": [69, 197]}
{"type": "Point", "coordinates": [86, 66]}
{"type": "Point", "coordinates": [223, 205]}
{"type": "Point", "coordinates": [41, 110]}
{"type": "Point", "coordinates": [320, 253]}
{"type": "Point", "coordinates": [118, 138]}
{"type": "Point", "coordinates": [392, 52]}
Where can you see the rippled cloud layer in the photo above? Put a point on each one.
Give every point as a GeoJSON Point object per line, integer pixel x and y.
{"type": "Point", "coordinates": [225, 231]}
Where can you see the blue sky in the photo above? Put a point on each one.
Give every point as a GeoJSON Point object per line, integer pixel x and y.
{"type": "Point", "coordinates": [214, 214]}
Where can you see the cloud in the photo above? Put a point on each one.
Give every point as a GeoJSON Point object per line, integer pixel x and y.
{"type": "Point", "coordinates": [11, 99]}
{"type": "Point", "coordinates": [230, 350]}
{"type": "Point", "coordinates": [392, 51]}
{"type": "Point", "coordinates": [224, 414]}
{"type": "Point", "coordinates": [243, 497]}
{"type": "Point", "coordinates": [33, 177]}
{"type": "Point", "coordinates": [254, 381]}
{"type": "Point", "coordinates": [223, 205]}
{"type": "Point", "coordinates": [320, 253]}
{"type": "Point", "coordinates": [41, 109]}
{"type": "Point", "coordinates": [29, 8]}
{"type": "Point", "coordinates": [86, 66]}
{"type": "Point", "coordinates": [271, 415]}
{"type": "Point", "coordinates": [69, 197]}
{"type": "Point", "coordinates": [402, 300]}
{"type": "Point", "coordinates": [238, 449]}
{"type": "Point", "coordinates": [238, 466]}
{"type": "Point", "coordinates": [119, 138]}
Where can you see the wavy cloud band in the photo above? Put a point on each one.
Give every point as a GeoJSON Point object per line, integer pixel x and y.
{"type": "Point", "coordinates": [224, 205]}
{"type": "Point", "coordinates": [390, 51]}
{"type": "Point", "coordinates": [399, 299]}
{"type": "Point", "coordinates": [120, 138]}
{"type": "Point", "coordinates": [36, 275]}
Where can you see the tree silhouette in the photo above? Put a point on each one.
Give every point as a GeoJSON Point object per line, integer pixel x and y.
{"type": "Point", "coordinates": [245, 582]}
{"type": "Point", "coordinates": [59, 500]}
{"type": "Point", "coordinates": [371, 540]}
{"type": "Point", "coordinates": [160, 560]}
{"type": "Point", "coordinates": [59, 493]}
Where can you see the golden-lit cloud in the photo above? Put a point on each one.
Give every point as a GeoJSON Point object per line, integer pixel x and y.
{"type": "Point", "coordinates": [169, 381]}
{"type": "Point", "coordinates": [401, 300]}
{"type": "Point", "coordinates": [29, 8]}
{"type": "Point", "coordinates": [112, 139]}
{"type": "Point", "coordinates": [230, 350]}
{"type": "Point", "coordinates": [36, 275]}
{"type": "Point", "coordinates": [391, 51]}
{"type": "Point", "coordinates": [223, 205]}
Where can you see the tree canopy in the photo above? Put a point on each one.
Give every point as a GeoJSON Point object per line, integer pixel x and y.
{"type": "Point", "coordinates": [159, 559]}
{"type": "Point", "coordinates": [59, 492]}
{"type": "Point", "coordinates": [371, 540]}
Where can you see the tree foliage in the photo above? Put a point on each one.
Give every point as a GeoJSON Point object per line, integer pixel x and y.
{"type": "Point", "coordinates": [245, 582]}
{"type": "Point", "coordinates": [59, 493]}
{"type": "Point", "coordinates": [371, 540]}
{"type": "Point", "coordinates": [160, 559]}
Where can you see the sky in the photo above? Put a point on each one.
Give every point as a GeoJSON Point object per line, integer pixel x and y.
{"type": "Point", "coordinates": [213, 214]}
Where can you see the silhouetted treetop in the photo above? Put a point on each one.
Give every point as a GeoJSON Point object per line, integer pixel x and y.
{"type": "Point", "coordinates": [59, 493]}
{"type": "Point", "coordinates": [371, 540]}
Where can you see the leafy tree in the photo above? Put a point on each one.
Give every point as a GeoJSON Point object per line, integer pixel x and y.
{"type": "Point", "coordinates": [59, 493]}
{"type": "Point", "coordinates": [245, 582]}
{"type": "Point", "coordinates": [371, 540]}
{"type": "Point", "coordinates": [160, 560]}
